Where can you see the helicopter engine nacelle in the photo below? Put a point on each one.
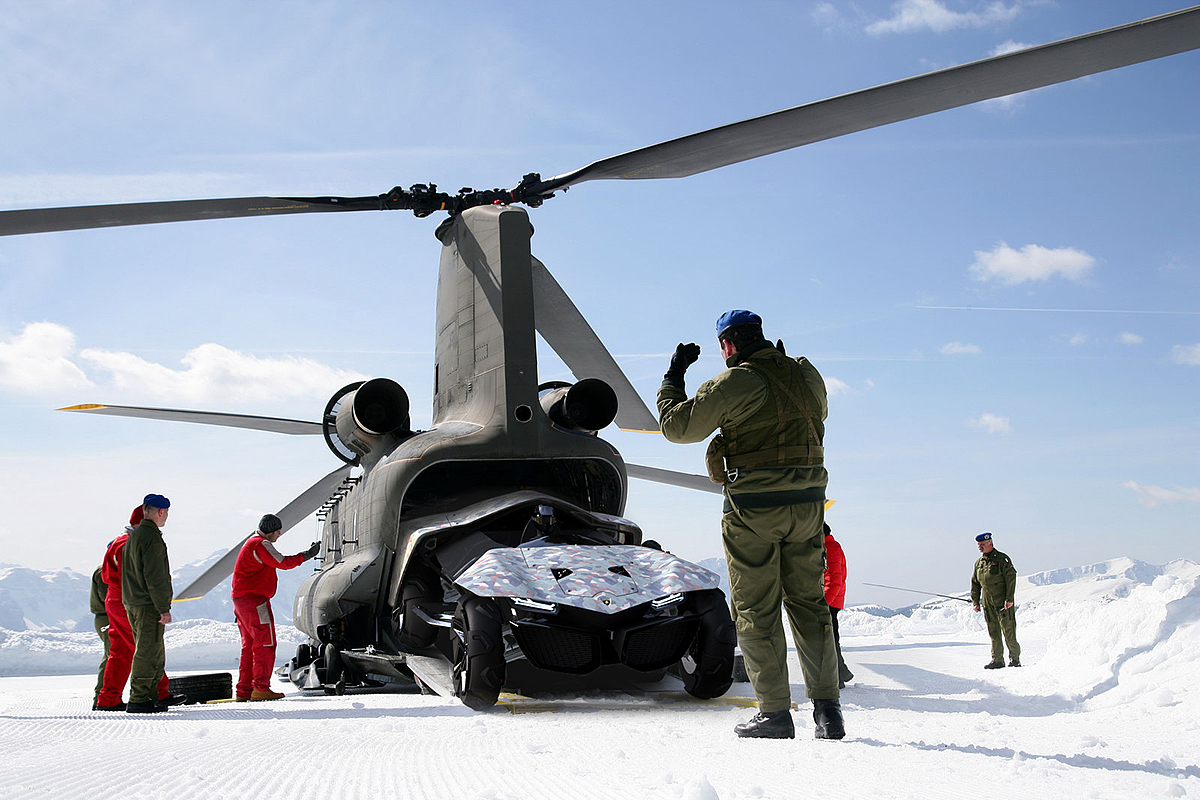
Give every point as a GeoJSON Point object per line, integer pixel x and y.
{"type": "Point", "coordinates": [370, 413]}
{"type": "Point", "coordinates": [589, 405]}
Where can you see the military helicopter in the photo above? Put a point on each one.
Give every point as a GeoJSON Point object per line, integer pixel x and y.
{"type": "Point", "coordinates": [452, 555]}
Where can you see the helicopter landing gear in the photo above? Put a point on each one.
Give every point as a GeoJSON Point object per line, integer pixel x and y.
{"type": "Point", "coordinates": [479, 656]}
{"type": "Point", "coordinates": [415, 632]}
{"type": "Point", "coordinates": [335, 680]}
{"type": "Point", "coordinates": [707, 667]}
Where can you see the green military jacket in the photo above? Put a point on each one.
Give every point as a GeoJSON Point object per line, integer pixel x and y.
{"type": "Point", "coordinates": [99, 592]}
{"type": "Point", "coordinates": [145, 570]}
{"type": "Point", "coordinates": [994, 579]}
{"type": "Point", "coordinates": [741, 396]}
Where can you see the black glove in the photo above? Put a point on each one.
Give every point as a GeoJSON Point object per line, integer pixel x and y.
{"type": "Point", "coordinates": [685, 355]}
{"type": "Point", "coordinates": [779, 347]}
{"type": "Point", "coordinates": [312, 551]}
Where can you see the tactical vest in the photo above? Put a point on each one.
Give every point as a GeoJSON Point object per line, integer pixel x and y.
{"type": "Point", "coordinates": [786, 431]}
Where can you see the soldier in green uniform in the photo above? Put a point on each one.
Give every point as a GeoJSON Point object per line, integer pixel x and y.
{"type": "Point", "coordinates": [769, 457]}
{"type": "Point", "coordinates": [96, 603]}
{"type": "Point", "coordinates": [993, 587]}
{"type": "Point", "coordinates": [146, 593]}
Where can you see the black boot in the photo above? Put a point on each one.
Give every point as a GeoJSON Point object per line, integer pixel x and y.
{"type": "Point", "coordinates": [144, 708]}
{"type": "Point", "coordinates": [767, 725]}
{"type": "Point", "coordinates": [172, 700]}
{"type": "Point", "coordinates": [1014, 662]}
{"type": "Point", "coordinates": [827, 714]}
{"type": "Point", "coordinates": [994, 664]}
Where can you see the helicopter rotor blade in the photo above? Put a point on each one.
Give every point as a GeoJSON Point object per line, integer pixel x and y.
{"type": "Point", "coordinates": [562, 326]}
{"type": "Point", "coordinates": [45, 220]}
{"type": "Point", "coordinates": [670, 477]}
{"type": "Point", "coordinates": [295, 427]}
{"type": "Point", "coordinates": [291, 514]}
{"type": "Point", "coordinates": [999, 76]}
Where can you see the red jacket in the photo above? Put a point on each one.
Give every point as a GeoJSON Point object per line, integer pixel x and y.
{"type": "Point", "coordinates": [835, 573]}
{"type": "Point", "coordinates": [254, 573]}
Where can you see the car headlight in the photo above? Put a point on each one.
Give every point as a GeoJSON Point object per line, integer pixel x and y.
{"type": "Point", "coordinates": [668, 600]}
{"type": "Point", "coordinates": [535, 605]}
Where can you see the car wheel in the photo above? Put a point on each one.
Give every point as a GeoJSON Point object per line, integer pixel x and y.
{"type": "Point", "coordinates": [479, 657]}
{"type": "Point", "coordinates": [707, 668]}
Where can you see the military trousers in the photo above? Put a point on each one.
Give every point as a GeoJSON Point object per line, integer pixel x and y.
{"type": "Point", "coordinates": [1002, 621]}
{"type": "Point", "coordinates": [149, 654]}
{"type": "Point", "coordinates": [101, 623]}
{"type": "Point", "coordinates": [776, 559]}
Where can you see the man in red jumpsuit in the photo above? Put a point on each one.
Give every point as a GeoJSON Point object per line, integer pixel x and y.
{"type": "Point", "coordinates": [835, 597]}
{"type": "Point", "coordinates": [120, 634]}
{"type": "Point", "coordinates": [254, 584]}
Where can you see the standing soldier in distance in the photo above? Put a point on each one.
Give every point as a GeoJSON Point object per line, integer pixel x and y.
{"type": "Point", "coordinates": [254, 584]}
{"type": "Point", "coordinates": [993, 586]}
{"type": "Point", "coordinates": [769, 456]}
{"type": "Point", "coordinates": [146, 591]}
{"type": "Point", "coordinates": [96, 602]}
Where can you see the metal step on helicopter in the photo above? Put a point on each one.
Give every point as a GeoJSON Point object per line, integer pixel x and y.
{"type": "Point", "coordinates": [490, 550]}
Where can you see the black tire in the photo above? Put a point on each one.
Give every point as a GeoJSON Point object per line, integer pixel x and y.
{"type": "Point", "coordinates": [305, 655]}
{"type": "Point", "coordinates": [479, 657]}
{"type": "Point", "coordinates": [707, 669]}
{"type": "Point", "coordinates": [202, 688]}
{"type": "Point", "coordinates": [333, 664]}
{"type": "Point", "coordinates": [415, 632]}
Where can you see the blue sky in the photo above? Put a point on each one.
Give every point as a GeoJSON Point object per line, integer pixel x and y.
{"type": "Point", "coordinates": [902, 260]}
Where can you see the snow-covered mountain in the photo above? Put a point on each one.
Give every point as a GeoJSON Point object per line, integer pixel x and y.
{"type": "Point", "coordinates": [1120, 606]}
{"type": "Point", "coordinates": [57, 600]}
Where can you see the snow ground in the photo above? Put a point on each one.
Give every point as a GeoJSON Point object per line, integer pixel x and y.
{"type": "Point", "coordinates": [1106, 707]}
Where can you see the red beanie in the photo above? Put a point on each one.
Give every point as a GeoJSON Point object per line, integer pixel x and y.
{"type": "Point", "coordinates": [136, 517]}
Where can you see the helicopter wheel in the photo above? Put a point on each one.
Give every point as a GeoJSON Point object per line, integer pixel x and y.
{"type": "Point", "coordinates": [416, 632]}
{"type": "Point", "coordinates": [707, 667]}
{"type": "Point", "coordinates": [333, 667]}
{"type": "Point", "coordinates": [479, 657]}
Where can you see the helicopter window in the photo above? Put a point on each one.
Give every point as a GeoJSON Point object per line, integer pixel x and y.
{"type": "Point", "coordinates": [589, 483]}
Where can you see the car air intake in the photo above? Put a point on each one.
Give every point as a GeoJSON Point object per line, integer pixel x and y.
{"type": "Point", "coordinates": [559, 649]}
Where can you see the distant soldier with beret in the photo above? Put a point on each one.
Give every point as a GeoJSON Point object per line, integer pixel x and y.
{"type": "Point", "coordinates": [254, 584]}
{"type": "Point", "coordinates": [769, 457]}
{"type": "Point", "coordinates": [993, 587]}
{"type": "Point", "coordinates": [146, 593]}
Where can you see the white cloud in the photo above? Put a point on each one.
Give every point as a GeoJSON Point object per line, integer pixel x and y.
{"type": "Point", "coordinates": [1009, 46]}
{"type": "Point", "coordinates": [834, 387]}
{"type": "Point", "coordinates": [916, 15]}
{"type": "Point", "coordinates": [992, 423]}
{"type": "Point", "coordinates": [215, 373]}
{"type": "Point", "coordinates": [1188, 354]}
{"type": "Point", "coordinates": [1130, 338]}
{"type": "Point", "coordinates": [1031, 263]}
{"type": "Point", "coordinates": [38, 360]}
{"type": "Point", "coordinates": [1150, 496]}
{"type": "Point", "coordinates": [1078, 339]}
{"type": "Point", "coordinates": [958, 348]}
{"type": "Point", "coordinates": [825, 15]}
{"type": "Point", "coordinates": [42, 359]}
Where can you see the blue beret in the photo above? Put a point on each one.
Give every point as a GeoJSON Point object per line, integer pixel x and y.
{"type": "Point", "coordinates": [984, 537]}
{"type": "Point", "coordinates": [157, 501]}
{"type": "Point", "coordinates": [738, 316]}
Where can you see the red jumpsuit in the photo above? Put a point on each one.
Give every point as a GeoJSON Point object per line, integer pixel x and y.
{"type": "Point", "coordinates": [835, 597]}
{"type": "Point", "coordinates": [120, 634]}
{"type": "Point", "coordinates": [254, 584]}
